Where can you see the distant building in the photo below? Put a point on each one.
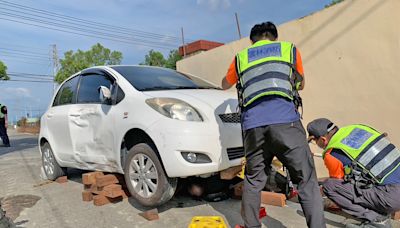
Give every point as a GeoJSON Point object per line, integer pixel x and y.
{"type": "Point", "coordinates": [198, 47]}
{"type": "Point", "coordinates": [31, 122]}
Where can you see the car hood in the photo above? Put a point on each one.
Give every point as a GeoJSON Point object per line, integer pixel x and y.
{"type": "Point", "coordinates": [219, 100]}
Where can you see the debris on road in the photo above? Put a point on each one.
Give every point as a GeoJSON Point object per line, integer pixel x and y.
{"type": "Point", "coordinates": [43, 183]}
{"type": "Point", "coordinates": [273, 198]}
{"type": "Point", "coordinates": [62, 180]}
{"type": "Point", "coordinates": [150, 215]}
{"type": "Point", "coordinates": [103, 189]}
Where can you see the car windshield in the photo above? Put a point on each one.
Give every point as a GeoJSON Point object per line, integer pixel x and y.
{"type": "Point", "coordinates": [154, 78]}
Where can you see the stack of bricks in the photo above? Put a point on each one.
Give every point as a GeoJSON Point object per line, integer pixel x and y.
{"type": "Point", "coordinates": [103, 189]}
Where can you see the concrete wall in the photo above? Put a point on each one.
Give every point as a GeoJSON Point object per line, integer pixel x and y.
{"type": "Point", "coordinates": [351, 55]}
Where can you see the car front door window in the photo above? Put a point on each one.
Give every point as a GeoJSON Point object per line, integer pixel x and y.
{"type": "Point", "coordinates": [89, 87]}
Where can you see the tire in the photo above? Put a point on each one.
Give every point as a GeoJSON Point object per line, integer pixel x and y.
{"type": "Point", "coordinates": [50, 166]}
{"type": "Point", "coordinates": [145, 177]}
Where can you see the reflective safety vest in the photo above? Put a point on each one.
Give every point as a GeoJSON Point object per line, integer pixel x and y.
{"type": "Point", "coordinates": [266, 68]}
{"type": "Point", "coordinates": [2, 115]}
{"type": "Point", "coordinates": [368, 148]}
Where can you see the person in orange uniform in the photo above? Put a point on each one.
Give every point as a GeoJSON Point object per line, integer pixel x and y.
{"type": "Point", "coordinates": [363, 169]}
{"type": "Point", "coordinates": [268, 75]}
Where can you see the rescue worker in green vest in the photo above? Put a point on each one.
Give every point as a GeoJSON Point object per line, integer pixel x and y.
{"type": "Point", "coordinates": [267, 76]}
{"type": "Point", "coordinates": [3, 125]}
{"type": "Point", "coordinates": [363, 168]}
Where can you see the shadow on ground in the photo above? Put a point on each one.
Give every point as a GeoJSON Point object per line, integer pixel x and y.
{"type": "Point", "coordinates": [18, 145]}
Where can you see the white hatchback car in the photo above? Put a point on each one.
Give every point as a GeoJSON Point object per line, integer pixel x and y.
{"type": "Point", "coordinates": [151, 124]}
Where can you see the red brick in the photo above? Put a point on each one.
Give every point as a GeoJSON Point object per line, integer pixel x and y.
{"type": "Point", "coordinates": [87, 187]}
{"type": "Point", "coordinates": [113, 191]}
{"type": "Point", "coordinates": [110, 187]}
{"type": "Point", "coordinates": [100, 200]}
{"type": "Point", "coordinates": [272, 198]}
{"type": "Point", "coordinates": [87, 196]}
{"type": "Point", "coordinates": [105, 180]}
{"type": "Point", "coordinates": [150, 215]}
{"type": "Point", "coordinates": [62, 179]}
{"type": "Point", "coordinates": [90, 178]}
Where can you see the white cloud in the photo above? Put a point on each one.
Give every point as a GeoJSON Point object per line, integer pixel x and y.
{"type": "Point", "coordinates": [19, 92]}
{"type": "Point", "coordinates": [215, 4]}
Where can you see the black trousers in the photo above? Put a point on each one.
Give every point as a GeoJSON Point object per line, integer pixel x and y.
{"type": "Point", "coordinates": [368, 204]}
{"type": "Point", "coordinates": [288, 143]}
{"type": "Point", "coordinates": [3, 132]}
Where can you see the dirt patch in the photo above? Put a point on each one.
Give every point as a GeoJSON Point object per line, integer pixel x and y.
{"type": "Point", "coordinates": [14, 205]}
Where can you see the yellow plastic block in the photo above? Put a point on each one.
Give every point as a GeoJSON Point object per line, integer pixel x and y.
{"type": "Point", "coordinates": [207, 222]}
{"type": "Point", "coordinates": [241, 174]}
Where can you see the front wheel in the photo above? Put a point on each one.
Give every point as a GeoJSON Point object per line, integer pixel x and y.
{"type": "Point", "coordinates": [145, 177]}
{"type": "Point", "coordinates": [51, 167]}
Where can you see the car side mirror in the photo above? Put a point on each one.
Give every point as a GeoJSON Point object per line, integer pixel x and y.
{"type": "Point", "coordinates": [104, 94]}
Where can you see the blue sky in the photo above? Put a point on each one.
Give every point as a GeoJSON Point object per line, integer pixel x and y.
{"type": "Point", "coordinates": [201, 19]}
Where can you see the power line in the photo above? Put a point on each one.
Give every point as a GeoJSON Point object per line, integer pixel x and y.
{"type": "Point", "coordinates": [84, 27]}
{"type": "Point", "coordinates": [20, 73]}
{"type": "Point", "coordinates": [22, 56]}
{"type": "Point", "coordinates": [7, 44]}
{"type": "Point", "coordinates": [100, 25]}
{"type": "Point", "coordinates": [95, 27]}
{"type": "Point", "coordinates": [18, 59]}
{"type": "Point", "coordinates": [24, 51]}
{"type": "Point", "coordinates": [28, 77]}
{"type": "Point", "coordinates": [82, 34]}
{"type": "Point", "coordinates": [12, 80]}
{"type": "Point", "coordinates": [81, 29]}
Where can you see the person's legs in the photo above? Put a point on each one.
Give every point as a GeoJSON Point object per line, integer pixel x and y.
{"type": "Point", "coordinates": [291, 147]}
{"type": "Point", "coordinates": [255, 177]}
{"type": "Point", "coordinates": [345, 196]}
{"type": "Point", "coordinates": [3, 134]}
{"type": "Point", "coordinates": [383, 199]}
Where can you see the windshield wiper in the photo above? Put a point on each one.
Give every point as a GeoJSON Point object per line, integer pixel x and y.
{"type": "Point", "coordinates": [209, 87]}
{"type": "Point", "coordinates": [155, 88]}
{"type": "Point", "coordinates": [178, 87]}
{"type": "Point", "coordinates": [185, 87]}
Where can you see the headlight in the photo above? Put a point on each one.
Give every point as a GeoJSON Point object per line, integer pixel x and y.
{"type": "Point", "coordinates": [174, 108]}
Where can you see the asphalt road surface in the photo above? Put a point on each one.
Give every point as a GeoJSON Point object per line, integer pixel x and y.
{"type": "Point", "coordinates": [32, 202]}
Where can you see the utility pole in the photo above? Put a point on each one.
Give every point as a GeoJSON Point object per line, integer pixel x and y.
{"type": "Point", "coordinates": [183, 43]}
{"type": "Point", "coordinates": [238, 27]}
{"type": "Point", "coordinates": [56, 64]}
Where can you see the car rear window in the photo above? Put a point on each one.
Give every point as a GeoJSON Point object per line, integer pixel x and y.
{"type": "Point", "coordinates": [156, 78]}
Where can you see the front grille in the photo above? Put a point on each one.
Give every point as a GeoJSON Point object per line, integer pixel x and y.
{"type": "Point", "coordinates": [236, 152]}
{"type": "Point", "coordinates": [230, 117]}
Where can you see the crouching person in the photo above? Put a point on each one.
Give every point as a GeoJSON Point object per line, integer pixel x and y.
{"type": "Point", "coordinates": [363, 168]}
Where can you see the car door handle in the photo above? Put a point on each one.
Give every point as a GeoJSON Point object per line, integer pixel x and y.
{"type": "Point", "coordinates": [75, 114]}
{"type": "Point", "coordinates": [49, 115]}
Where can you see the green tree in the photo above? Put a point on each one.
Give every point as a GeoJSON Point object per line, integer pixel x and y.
{"type": "Point", "coordinates": [173, 57]}
{"type": "Point", "coordinates": [97, 55]}
{"type": "Point", "coordinates": [156, 58]}
{"type": "Point", "coordinates": [3, 71]}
